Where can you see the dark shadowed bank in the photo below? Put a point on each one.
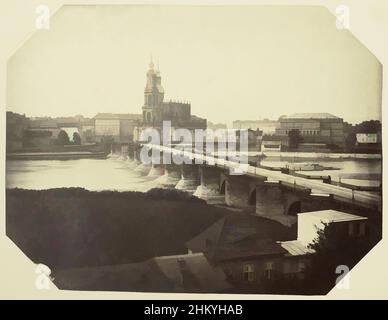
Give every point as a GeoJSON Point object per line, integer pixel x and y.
{"type": "Point", "coordinates": [100, 240]}
{"type": "Point", "coordinates": [73, 227]}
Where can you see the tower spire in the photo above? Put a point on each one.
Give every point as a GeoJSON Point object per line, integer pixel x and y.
{"type": "Point", "coordinates": [151, 63]}
{"type": "Point", "coordinates": [157, 67]}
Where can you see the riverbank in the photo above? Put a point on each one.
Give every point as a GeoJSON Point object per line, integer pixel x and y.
{"type": "Point", "coordinates": [66, 155]}
{"type": "Point", "coordinates": [73, 227]}
{"type": "Point", "coordinates": [307, 155]}
{"type": "Point", "coordinates": [322, 155]}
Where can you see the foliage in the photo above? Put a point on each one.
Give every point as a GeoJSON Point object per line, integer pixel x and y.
{"type": "Point", "coordinates": [294, 138]}
{"type": "Point", "coordinates": [76, 138]}
{"type": "Point", "coordinates": [350, 131]}
{"type": "Point", "coordinates": [74, 227]}
{"type": "Point", "coordinates": [63, 138]}
{"type": "Point", "coordinates": [28, 134]}
{"type": "Point", "coordinates": [334, 247]}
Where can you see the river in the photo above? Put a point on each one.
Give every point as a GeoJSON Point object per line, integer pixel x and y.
{"type": "Point", "coordinates": [115, 174]}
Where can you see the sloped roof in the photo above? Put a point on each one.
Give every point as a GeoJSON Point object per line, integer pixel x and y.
{"type": "Point", "coordinates": [310, 116]}
{"type": "Point", "coordinates": [249, 247]}
{"type": "Point", "coordinates": [296, 248]}
{"type": "Point", "coordinates": [237, 235]}
{"type": "Point", "coordinates": [328, 216]}
{"type": "Point", "coordinates": [118, 116]}
{"type": "Point", "coordinates": [191, 273]}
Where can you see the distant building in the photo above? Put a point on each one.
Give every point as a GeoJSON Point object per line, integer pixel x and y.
{"type": "Point", "coordinates": [273, 143]}
{"type": "Point", "coordinates": [156, 110]}
{"type": "Point", "coordinates": [368, 138]}
{"type": "Point", "coordinates": [41, 137]}
{"type": "Point", "coordinates": [16, 124]}
{"type": "Point", "coordinates": [115, 127]}
{"type": "Point", "coordinates": [321, 129]}
{"type": "Point", "coordinates": [43, 122]}
{"type": "Point", "coordinates": [216, 126]}
{"type": "Point", "coordinates": [266, 126]}
{"type": "Point", "coordinates": [86, 131]}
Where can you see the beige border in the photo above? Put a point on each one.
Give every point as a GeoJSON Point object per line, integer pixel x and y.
{"type": "Point", "coordinates": [369, 279]}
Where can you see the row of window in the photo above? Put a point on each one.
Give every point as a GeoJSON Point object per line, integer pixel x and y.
{"type": "Point", "coordinates": [251, 275]}
{"type": "Point", "coordinates": [306, 132]}
{"type": "Point", "coordinates": [355, 229]}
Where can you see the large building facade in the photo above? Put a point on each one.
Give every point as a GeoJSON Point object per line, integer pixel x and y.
{"type": "Point", "coordinates": [155, 110]}
{"type": "Point", "coordinates": [115, 127]}
{"type": "Point", "coordinates": [314, 128]}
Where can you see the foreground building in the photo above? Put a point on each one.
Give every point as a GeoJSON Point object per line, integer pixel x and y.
{"type": "Point", "coordinates": [249, 251]}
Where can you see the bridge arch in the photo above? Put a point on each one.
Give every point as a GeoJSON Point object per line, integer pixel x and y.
{"type": "Point", "coordinates": [294, 208]}
{"type": "Point", "coordinates": [252, 198]}
{"type": "Point", "coordinates": [222, 186]}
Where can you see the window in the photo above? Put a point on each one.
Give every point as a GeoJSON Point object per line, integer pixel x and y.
{"type": "Point", "coordinates": [268, 272]}
{"type": "Point", "coordinates": [301, 266]}
{"type": "Point", "coordinates": [248, 272]}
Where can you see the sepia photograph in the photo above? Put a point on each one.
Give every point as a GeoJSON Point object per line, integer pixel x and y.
{"type": "Point", "coordinates": [205, 149]}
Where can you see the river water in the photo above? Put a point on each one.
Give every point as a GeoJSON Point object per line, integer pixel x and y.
{"type": "Point", "coordinates": [115, 174]}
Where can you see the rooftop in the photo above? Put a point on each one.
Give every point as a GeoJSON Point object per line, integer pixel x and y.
{"type": "Point", "coordinates": [118, 116]}
{"type": "Point", "coordinates": [328, 216]}
{"type": "Point", "coordinates": [310, 116]}
{"type": "Point", "coordinates": [238, 235]}
{"type": "Point", "coordinates": [265, 121]}
{"type": "Point", "coordinates": [295, 248]}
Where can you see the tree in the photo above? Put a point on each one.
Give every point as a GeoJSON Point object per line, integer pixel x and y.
{"type": "Point", "coordinates": [76, 138]}
{"type": "Point", "coordinates": [333, 248]}
{"type": "Point", "coordinates": [63, 138]}
{"type": "Point", "coordinates": [294, 138]}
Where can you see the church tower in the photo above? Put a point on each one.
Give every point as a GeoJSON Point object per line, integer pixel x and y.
{"type": "Point", "coordinates": [153, 97]}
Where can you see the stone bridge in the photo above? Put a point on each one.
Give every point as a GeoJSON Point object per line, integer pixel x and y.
{"type": "Point", "coordinates": [264, 192]}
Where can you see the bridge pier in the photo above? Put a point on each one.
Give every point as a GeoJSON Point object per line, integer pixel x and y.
{"type": "Point", "coordinates": [209, 185]}
{"type": "Point", "coordinates": [189, 178]}
{"type": "Point", "coordinates": [240, 192]}
{"type": "Point", "coordinates": [171, 175]}
{"type": "Point", "coordinates": [273, 202]}
{"type": "Point", "coordinates": [157, 170]}
{"type": "Point", "coordinates": [123, 152]}
{"type": "Point", "coordinates": [142, 168]}
{"type": "Point", "coordinates": [135, 159]}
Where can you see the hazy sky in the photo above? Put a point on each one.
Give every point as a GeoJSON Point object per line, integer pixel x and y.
{"type": "Point", "coordinates": [229, 62]}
